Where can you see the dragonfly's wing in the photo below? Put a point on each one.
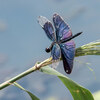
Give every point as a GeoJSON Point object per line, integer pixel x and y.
{"type": "Point", "coordinates": [55, 52]}
{"type": "Point", "coordinates": [47, 26]}
{"type": "Point", "coordinates": [63, 31]}
{"type": "Point", "coordinates": [68, 52]}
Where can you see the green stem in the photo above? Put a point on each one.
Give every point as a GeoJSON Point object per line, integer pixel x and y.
{"type": "Point", "coordinates": [34, 68]}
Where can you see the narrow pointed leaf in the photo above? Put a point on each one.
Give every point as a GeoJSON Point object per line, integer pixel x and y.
{"type": "Point", "coordinates": [33, 97]}
{"type": "Point", "coordinates": [92, 48]}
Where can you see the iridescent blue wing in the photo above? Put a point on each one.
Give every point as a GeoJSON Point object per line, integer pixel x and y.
{"type": "Point", "coordinates": [47, 26]}
{"type": "Point", "coordinates": [68, 52]}
{"type": "Point", "coordinates": [55, 52]}
{"type": "Point", "coordinates": [63, 31]}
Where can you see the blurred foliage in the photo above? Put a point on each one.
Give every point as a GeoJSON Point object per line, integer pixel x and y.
{"type": "Point", "coordinates": [96, 95]}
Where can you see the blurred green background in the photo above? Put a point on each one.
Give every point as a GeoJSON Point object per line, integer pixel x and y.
{"type": "Point", "coordinates": [23, 42]}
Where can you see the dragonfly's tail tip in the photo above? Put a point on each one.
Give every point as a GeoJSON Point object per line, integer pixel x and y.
{"type": "Point", "coordinates": [81, 32]}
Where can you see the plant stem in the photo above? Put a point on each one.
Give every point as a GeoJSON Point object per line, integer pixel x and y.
{"type": "Point", "coordinates": [32, 69]}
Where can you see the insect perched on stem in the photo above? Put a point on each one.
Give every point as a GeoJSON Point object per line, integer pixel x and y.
{"type": "Point", "coordinates": [62, 45]}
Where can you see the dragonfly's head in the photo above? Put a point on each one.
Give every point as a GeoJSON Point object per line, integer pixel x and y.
{"type": "Point", "coordinates": [47, 50]}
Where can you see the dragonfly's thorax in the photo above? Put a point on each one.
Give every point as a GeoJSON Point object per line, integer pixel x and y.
{"type": "Point", "coordinates": [61, 41]}
{"type": "Point", "coordinates": [52, 44]}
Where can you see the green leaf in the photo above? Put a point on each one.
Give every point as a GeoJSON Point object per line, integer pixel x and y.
{"type": "Point", "coordinates": [92, 48]}
{"type": "Point", "coordinates": [33, 97]}
{"type": "Point", "coordinates": [78, 92]}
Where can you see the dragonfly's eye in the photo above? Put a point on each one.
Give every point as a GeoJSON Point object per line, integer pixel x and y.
{"type": "Point", "coordinates": [47, 50]}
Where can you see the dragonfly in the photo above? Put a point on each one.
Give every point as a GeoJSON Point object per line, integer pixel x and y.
{"type": "Point", "coordinates": [62, 45]}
